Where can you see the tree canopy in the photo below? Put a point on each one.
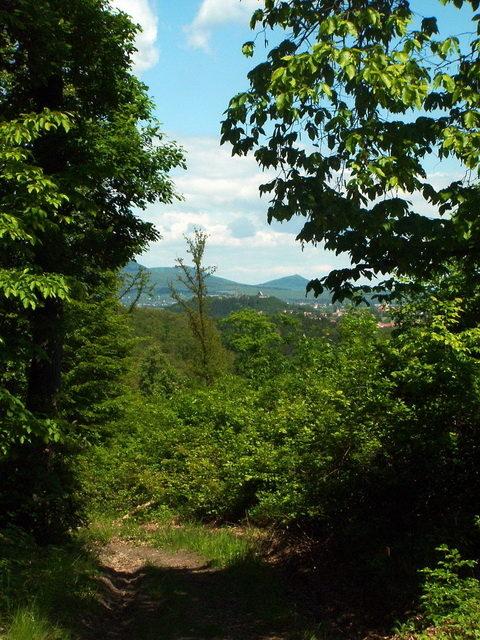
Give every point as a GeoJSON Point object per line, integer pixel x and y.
{"type": "Point", "coordinates": [353, 109]}
{"type": "Point", "coordinates": [80, 152]}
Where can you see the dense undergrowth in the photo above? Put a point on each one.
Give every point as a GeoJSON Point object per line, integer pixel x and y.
{"type": "Point", "coordinates": [362, 444]}
{"type": "Point", "coordinates": [368, 443]}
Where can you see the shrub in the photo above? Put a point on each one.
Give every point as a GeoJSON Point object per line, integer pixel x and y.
{"type": "Point", "coordinates": [450, 603]}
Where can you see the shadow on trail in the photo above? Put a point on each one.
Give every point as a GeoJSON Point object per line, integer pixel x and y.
{"type": "Point", "coordinates": [121, 601]}
{"type": "Point", "coordinates": [248, 601]}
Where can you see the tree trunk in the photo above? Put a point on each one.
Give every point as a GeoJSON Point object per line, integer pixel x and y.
{"type": "Point", "coordinates": [45, 368]}
{"type": "Point", "coordinates": [48, 326]}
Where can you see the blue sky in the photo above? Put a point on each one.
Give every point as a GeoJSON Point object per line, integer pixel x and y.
{"type": "Point", "coordinates": [190, 57]}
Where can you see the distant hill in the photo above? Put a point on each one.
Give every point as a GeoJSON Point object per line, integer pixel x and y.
{"type": "Point", "coordinates": [290, 289]}
{"type": "Point", "coordinates": [292, 283]}
{"type": "Point", "coordinates": [222, 306]}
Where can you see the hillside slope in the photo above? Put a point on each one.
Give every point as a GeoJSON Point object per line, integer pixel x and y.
{"type": "Point", "coordinates": [290, 289]}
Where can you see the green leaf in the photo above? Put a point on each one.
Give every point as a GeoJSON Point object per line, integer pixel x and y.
{"type": "Point", "coordinates": [247, 49]}
{"type": "Point", "coordinates": [471, 119]}
{"type": "Point", "coordinates": [326, 89]}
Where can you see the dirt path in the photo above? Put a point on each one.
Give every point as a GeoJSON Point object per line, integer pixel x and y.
{"type": "Point", "coordinates": [150, 594]}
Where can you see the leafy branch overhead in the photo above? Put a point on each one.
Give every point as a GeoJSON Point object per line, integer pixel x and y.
{"type": "Point", "coordinates": [352, 109]}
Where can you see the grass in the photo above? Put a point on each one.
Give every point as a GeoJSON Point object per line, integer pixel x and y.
{"type": "Point", "coordinates": [103, 528]}
{"type": "Point", "coordinates": [43, 590]}
{"type": "Point", "coordinates": [28, 623]}
{"type": "Point", "coordinates": [222, 547]}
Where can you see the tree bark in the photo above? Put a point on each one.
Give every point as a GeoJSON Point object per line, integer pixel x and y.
{"type": "Point", "coordinates": [45, 369]}
{"type": "Point", "coordinates": [48, 326]}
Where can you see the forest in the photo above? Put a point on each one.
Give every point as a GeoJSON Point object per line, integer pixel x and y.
{"type": "Point", "coordinates": [216, 470]}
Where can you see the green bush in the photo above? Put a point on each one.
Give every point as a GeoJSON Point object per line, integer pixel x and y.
{"type": "Point", "coordinates": [450, 603]}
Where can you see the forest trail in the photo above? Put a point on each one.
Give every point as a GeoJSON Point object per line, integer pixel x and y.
{"type": "Point", "coordinates": [148, 593]}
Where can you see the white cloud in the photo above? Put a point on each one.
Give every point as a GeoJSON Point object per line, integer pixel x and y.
{"type": "Point", "coordinates": [241, 227]}
{"type": "Point", "coordinates": [217, 182]}
{"type": "Point", "coordinates": [141, 12]}
{"type": "Point", "coordinates": [222, 198]}
{"type": "Point", "coordinates": [213, 13]}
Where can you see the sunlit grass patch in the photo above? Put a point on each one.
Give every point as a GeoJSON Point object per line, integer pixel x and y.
{"type": "Point", "coordinates": [102, 529]}
{"type": "Point", "coordinates": [221, 546]}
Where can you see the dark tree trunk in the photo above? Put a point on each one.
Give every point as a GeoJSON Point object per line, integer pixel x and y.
{"type": "Point", "coordinates": [45, 369]}
{"type": "Point", "coordinates": [36, 480]}
{"type": "Point", "coordinates": [48, 326]}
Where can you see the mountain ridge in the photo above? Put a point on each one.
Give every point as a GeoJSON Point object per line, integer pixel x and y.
{"type": "Point", "coordinates": [290, 289]}
{"type": "Point", "coordinates": [294, 282]}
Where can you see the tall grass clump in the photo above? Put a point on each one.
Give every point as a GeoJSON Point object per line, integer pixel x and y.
{"type": "Point", "coordinates": [28, 623]}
